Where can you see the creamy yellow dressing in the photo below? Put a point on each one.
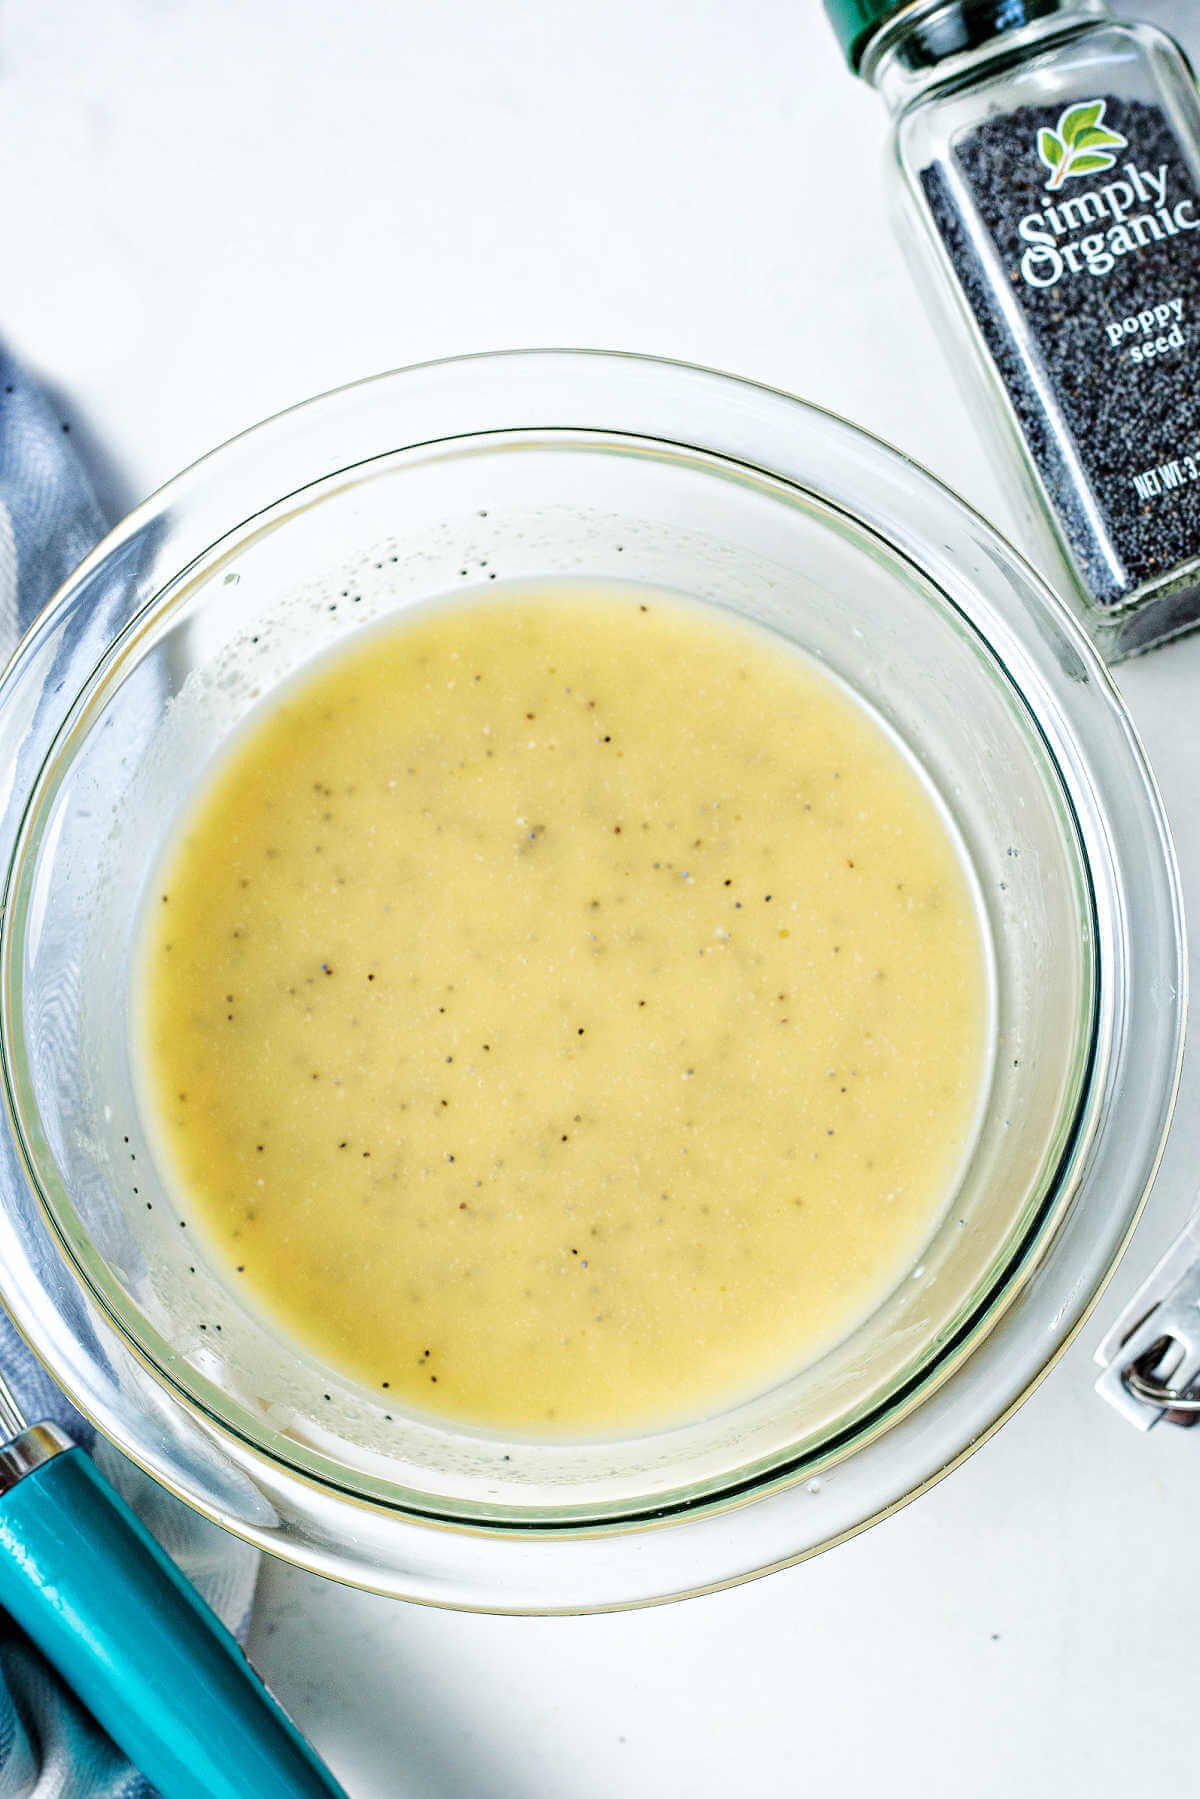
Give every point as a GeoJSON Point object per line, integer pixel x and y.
{"type": "Point", "coordinates": [564, 1010]}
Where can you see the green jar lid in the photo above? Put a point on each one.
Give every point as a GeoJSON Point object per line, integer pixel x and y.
{"type": "Point", "coordinates": [854, 21]}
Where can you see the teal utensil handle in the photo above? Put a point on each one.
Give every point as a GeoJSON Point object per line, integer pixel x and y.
{"type": "Point", "coordinates": [87, 1582]}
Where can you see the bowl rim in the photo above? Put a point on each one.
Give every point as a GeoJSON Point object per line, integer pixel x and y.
{"type": "Point", "coordinates": [1038, 1242]}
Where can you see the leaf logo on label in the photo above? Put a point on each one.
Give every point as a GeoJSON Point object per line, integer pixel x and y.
{"type": "Point", "coordinates": [1082, 145]}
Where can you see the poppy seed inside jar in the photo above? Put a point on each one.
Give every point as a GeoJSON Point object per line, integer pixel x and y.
{"type": "Point", "coordinates": [1085, 288]}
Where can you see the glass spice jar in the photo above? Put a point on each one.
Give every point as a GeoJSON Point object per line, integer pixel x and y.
{"type": "Point", "coordinates": [1048, 159]}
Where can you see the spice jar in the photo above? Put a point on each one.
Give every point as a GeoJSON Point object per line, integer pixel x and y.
{"type": "Point", "coordinates": [1048, 158]}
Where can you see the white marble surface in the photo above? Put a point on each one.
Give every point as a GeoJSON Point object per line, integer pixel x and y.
{"type": "Point", "coordinates": [213, 209]}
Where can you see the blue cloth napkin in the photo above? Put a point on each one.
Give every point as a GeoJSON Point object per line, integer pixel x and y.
{"type": "Point", "coordinates": [50, 1747]}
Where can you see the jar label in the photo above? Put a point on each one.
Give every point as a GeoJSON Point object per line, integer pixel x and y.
{"type": "Point", "coordinates": [1074, 232]}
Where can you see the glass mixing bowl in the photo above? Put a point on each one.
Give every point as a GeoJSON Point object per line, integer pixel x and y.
{"type": "Point", "coordinates": [349, 509]}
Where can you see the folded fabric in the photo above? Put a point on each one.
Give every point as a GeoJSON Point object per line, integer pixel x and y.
{"type": "Point", "coordinates": [50, 1747]}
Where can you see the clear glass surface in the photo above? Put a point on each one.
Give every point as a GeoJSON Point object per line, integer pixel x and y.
{"type": "Point", "coordinates": [348, 510]}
